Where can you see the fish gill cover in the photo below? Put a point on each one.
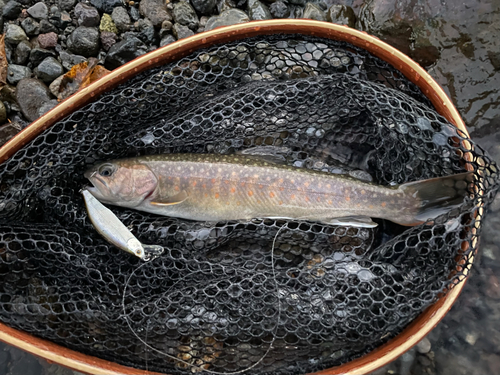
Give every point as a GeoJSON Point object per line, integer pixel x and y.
{"type": "Point", "coordinates": [222, 298]}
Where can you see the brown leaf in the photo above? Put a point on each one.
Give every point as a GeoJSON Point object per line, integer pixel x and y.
{"type": "Point", "coordinates": [3, 62]}
{"type": "Point", "coordinates": [79, 77]}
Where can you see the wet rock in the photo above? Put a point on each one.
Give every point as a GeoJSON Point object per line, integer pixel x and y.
{"type": "Point", "coordinates": [48, 40]}
{"type": "Point", "coordinates": [166, 26]}
{"type": "Point", "coordinates": [3, 113]}
{"type": "Point", "coordinates": [47, 27]}
{"type": "Point", "coordinates": [68, 59]}
{"type": "Point", "coordinates": [121, 19]}
{"type": "Point", "coordinates": [204, 7]}
{"type": "Point", "coordinates": [167, 40]}
{"type": "Point", "coordinates": [224, 5]}
{"type": "Point", "coordinates": [257, 10]}
{"type": "Point", "coordinates": [184, 14]}
{"type": "Point", "coordinates": [107, 24]}
{"type": "Point", "coordinates": [279, 9]}
{"type": "Point", "coordinates": [181, 31]}
{"type": "Point", "coordinates": [65, 20]}
{"type": "Point", "coordinates": [298, 2]}
{"type": "Point", "coordinates": [67, 4]}
{"type": "Point", "coordinates": [14, 34]}
{"type": "Point", "coordinates": [155, 11]}
{"type": "Point", "coordinates": [84, 41]}
{"type": "Point", "coordinates": [124, 51]}
{"type": "Point", "coordinates": [8, 131]}
{"type": "Point", "coordinates": [86, 15]}
{"type": "Point", "coordinates": [226, 18]}
{"type": "Point", "coordinates": [31, 94]}
{"type": "Point", "coordinates": [37, 55]}
{"type": "Point", "coordinates": [424, 346]}
{"type": "Point", "coordinates": [134, 14]}
{"type": "Point", "coordinates": [106, 6]}
{"type": "Point", "coordinates": [493, 287]}
{"type": "Point", "coordinates": [22, 53]}
{"type": "Point", "coordinates": [30, 26]}
{"type": "Point", "coordinates": [12, 9]}
{"type": "Point", "coordinates": [8, 94]}
{"type": "Point", "coordinates": [15, 73]}
{"type": "Point", "coordinates": [147, 31]}
{"type": "Point", "coordinates": [108, 39]}
{"type": "Point", "coordinates": [39, 11]}
{"type": "Point", "coordinates": [27, 366]}
{"type": "Point", "coordinates": [342, 15]}
{"type": "Point", "coordinates": [47, 106]}
{"type": "Point", "coordinates": [314, 12]}
{"type": "Point", "coordinates": [48, 70]}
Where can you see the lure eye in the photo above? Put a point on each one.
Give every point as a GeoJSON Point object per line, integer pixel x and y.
{"type": "Point", "coordinates": [106, 170]}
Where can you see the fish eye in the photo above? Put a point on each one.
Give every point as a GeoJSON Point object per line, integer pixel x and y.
{"type": "Point", "coordinates": [106, 170]}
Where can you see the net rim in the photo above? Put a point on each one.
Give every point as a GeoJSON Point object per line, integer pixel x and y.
{"type": "Point", "coordinates": [415, 332]}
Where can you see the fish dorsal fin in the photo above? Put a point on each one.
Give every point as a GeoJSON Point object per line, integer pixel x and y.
{"type": "Point", "coordinates": [354, 221]}
{"type": "Point", "coordinates": [174, 199]}
{"type": "Point", "coordinates": [271, 154]}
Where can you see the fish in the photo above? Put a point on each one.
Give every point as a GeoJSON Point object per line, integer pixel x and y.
{"type": "Point", "coordinates": [114, 231]}
{"type": "Point", "coordinates": [240, 187]}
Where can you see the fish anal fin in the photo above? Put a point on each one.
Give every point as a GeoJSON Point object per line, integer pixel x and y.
{"type": "Point", "coordinates": [174, 199]}
{"type": "Point", "coordinates": [352, 221]}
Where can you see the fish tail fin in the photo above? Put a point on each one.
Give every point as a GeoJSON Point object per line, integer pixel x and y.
{"type": "Point", "coordinates": [437, 196]}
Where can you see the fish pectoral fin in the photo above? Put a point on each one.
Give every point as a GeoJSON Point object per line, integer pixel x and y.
{"type": "Point", "coordinates": [353, 221]}
{"type": "Point", "coordinates": [174, 199]}
{"type": "Point", "coordinates": [271, 154]}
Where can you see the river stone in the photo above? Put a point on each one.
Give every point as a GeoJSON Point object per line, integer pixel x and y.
{"type": "Point", "coordinates": [124, 51]}
{"type": "Point", "coordinates": [47, 27]}
{"type": "Point", "coordinates": [279, 9]}
{"type": "Point", "coordinates": [48, 40]}
{"type": "Point", "coordinates": [47, 106]}
{"type": "Point", "coordinates": [121, 19]}
{"type": "Point", "coordinates": [226, 18]}
{"type": "Point", "coordinates": [107, 24]}
{"type": "Point", "coordinates": [31, 94]}
{"type": "Point", "coordinates": [37, 55]}
{"type": "Point", "coordinates": [84, 41]}
{"type": "Point", "coordinates": [108, 39]}
{"type": "Point", "coordinates": [204, 7]}
{"type": "Point", "coordinates": [184, 14]}
{"type": "Point", "coordinates": [8, 131]}
{"type": "Point", "coordinates": [67, 4]}
{"type": "Point", "coordinates": [12, 9]}
{"type": "Point", "coordinates": [86, 15]}
{"type": "Point", "coordinates": [167, 40]}
{"type": "Point", "coordinates": [314, 12]}
{"type": "Point", "coordinates": [155, 10]}
{"type": "Point", "coordinates": [14, 34]}
{"type": "Point", "coordinates": [30, 26]}
{"type": "Point", "coordinates": [48, 70]}
{"type": "Point", "coordinates": [68, 60]}
{"type": "Point", "coordinates": [15, 73]}
{"type": "Point", "coordinates": [22, 53]}
{"type": "Point", "coordinates": [38, 11]}
{"type": "Point", "coordinates": [3, 113]}
{"type": "Point", "coordinates": [106, 6]}
{"type": "Point", "coordinates": [342, 15]}
{"type": "Point", "coordinates": [181, 31]}
{"type": "Point", "coordinates": [258, 11]}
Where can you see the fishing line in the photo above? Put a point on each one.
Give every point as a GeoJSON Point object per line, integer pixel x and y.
{"type": "Point", "coordinates": [177, 360]}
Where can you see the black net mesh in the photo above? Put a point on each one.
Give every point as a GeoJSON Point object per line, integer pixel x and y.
{"type": "Point", "coordinates": [222, 298]}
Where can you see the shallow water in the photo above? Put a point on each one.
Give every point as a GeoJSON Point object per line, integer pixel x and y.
{"type": "Point", "coordinates": [459, 41]}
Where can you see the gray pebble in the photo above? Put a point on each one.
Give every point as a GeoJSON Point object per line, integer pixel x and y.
{"type": "Point", "coordinates": [39, 11]}
{"type": "Point", "coordinates": [341, 14]}
{"type": "Point", "coordinates": [121, 19]}
{"type": "Point", "coordinates": [47, 40]}
{"type": "Point", "coordinates": [22, 53]}
{"type": "Point", "coordinates": [204, 7]}
{"type": "Point", "coordinates": [224, 5]}
{"type": "Point", "coordinates": [12, 9]}
{"type": "Point", "coordinates": [8, 131]}
{"type": "Point", "coordinates": [67, 4]}
{"type": "Point", "coordinates": [155, 11]}
{"type": "Point", "coordinates": [424, 346]}
{"type": "Point", "coordinates": [15, 73]}
{"type": "Point", "coordinates": [47, 27]}
{"type": "Point", "coordinates": [314, 12]}
{"type": "Point", "coordinates": [47, 106]}
{"type": "Point", "coordinates": [108, 39]}
{"type": "Point", "coordinates": [48, 70]}
{"type": "Point", "coordinates": [106, 6]}
{"type": "Point", "coordinates": [298, 2]}
{"type": "Point", "coordinates": [228, 17]}
{"type": "Point", "coordinates": [147, 31]}
{"type": "Point", "coordinates": [14, 34]}
{"type": "Point", "coordinates": [30, 26]}
{"type": "Point", "coordinates": [279, 9]}
{"type": "Point", "coordinates": [3, 113]}
{"type": "Point", "coordinates": [87, 15]}
{"type": "Point", "coordinates": [65, 20]}
{"type": "Point", "coordinates": [257, 10]}
{"type": "Point", "coordinates": [181, 31]}
{"type": "Point", "coordinates": [134, 14]}
{"type": "Point", "coordinates": [31, 94]}
{"type": "Point", "coordinates": [68, 60]}
{"type": "Point", "coordinates": [184, 14]}
{"type": "Point", "coordinates": [84, 41]}
{"type": "Point", "coordinates": [37, 55]}
{"type": "Point", "coordinates": [124, 51]}
{"type": "Point", "coordinates": [167, 40]}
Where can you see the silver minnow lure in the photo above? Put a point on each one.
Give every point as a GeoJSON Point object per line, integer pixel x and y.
{"type": "Point", "coordinates": [114, 231]}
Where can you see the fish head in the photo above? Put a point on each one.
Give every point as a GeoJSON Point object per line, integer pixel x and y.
{"type": "Point", "coordinates": [121, 183]}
